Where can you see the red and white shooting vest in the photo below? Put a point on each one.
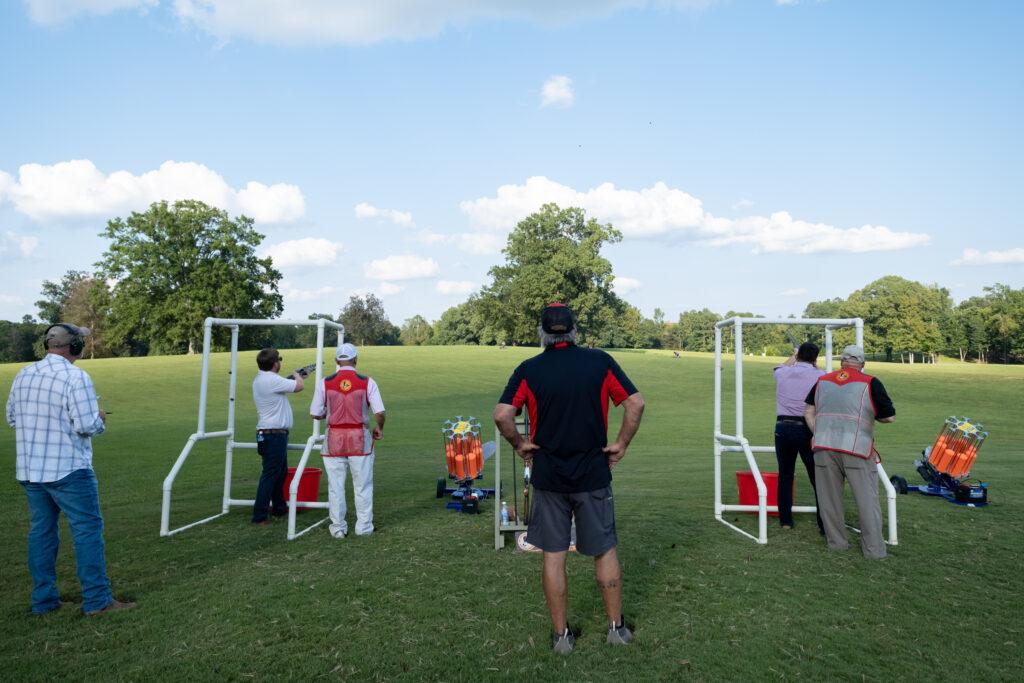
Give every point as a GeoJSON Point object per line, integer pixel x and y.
{"type": "Point", "coordinates": [844, 413]}
{"type": "Point", "coordinates": [348, 415]}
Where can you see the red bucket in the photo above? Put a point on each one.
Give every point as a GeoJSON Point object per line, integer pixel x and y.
{"type": "Point", "coordinates": [748, 488]}
{"type": "Point", "coordinates": [309, 485]}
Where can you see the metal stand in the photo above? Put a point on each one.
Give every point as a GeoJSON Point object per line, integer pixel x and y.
{"type": "Point", "coordinates": [523, 426]}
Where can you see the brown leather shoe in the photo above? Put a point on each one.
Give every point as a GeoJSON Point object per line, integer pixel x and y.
{"type": "Point", "coordinates": [114, 606]}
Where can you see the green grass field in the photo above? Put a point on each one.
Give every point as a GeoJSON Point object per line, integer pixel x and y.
{"type": "Point", "coordinates": [427, 598]}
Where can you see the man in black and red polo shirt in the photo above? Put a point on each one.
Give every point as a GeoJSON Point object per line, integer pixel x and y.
{"type": "Point", "coordinates": [565, 391]}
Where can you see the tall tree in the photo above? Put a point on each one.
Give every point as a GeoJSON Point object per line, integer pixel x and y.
{"type": "Point", "coordinates": [55, 295]}
{"type": "Point", "coordinates": [305, 337]}
{"type": "Point", "coordinates": [416, 331]}
{"type": "Point", "coordinates": [695, 330]}
{"type": "Point", "coordinates": [88, 304]}
{"type": "Point", "coordinates": [458, 325]}
{"type": "Point", "coordinates": [21, 341]}
{"type": "Point", "coordinates": [1008, 304]}
{"type": "Point", "coordinates": [552, 255]}
{"type": "Point", "coordinates": [177, 264]}
{"type": "Point", "coordinates": [366, 322]}
{"type": "Point", "coordinates": [899, 315]}
{"type": "Point", "coordinates": [829, 308]}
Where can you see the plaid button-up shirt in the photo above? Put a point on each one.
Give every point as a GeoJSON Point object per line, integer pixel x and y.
{"type": "Point", "coordinates": [53, 408]}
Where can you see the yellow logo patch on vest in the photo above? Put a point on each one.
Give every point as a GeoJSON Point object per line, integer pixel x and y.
{"type": "Point", "coordinates": [346, 385]}
{"type": "Point", "coordinates": [843, 376]}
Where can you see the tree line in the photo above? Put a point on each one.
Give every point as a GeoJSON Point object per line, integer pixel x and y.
{"type": "Point", "coordinates": [168, 268]}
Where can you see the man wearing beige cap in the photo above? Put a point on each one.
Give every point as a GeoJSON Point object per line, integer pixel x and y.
{"type": "Point", "coordinates": [842, 409]}
{"type": "Point", "coordinates": [53, 408]}
{"type": "Point", "coordinates": [347, 400]}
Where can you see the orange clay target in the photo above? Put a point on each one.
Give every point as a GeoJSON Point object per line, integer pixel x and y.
{"type": "Point", "coordinates": [956, 447]}
{"type": "Point", "coordinates": [462, 448]}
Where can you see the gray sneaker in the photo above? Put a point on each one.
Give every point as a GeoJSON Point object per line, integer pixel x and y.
{"type": "Point", "coordinates": [620, 635]}
{"type": "Point", "coordinates": [565, 642]}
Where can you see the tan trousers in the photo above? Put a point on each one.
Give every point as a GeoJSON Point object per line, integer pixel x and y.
{"type": "Point", "coordinates": [830, 470]}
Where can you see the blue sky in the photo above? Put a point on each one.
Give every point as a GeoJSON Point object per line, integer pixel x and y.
{"type": "Point", "coordinates": [756, 154]}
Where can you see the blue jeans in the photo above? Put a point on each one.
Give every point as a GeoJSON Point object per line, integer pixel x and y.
{"type": "Point", "coordinates": [77, 496]}
{"type": "Point", "coordinates": [273, 447]}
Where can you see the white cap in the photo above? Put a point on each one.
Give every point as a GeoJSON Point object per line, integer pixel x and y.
{"type": "Point", "coordinates": [346, 352]}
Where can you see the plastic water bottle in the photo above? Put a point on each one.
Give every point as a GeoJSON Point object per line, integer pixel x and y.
{"type": "Point", "coordinates": [504, 513]}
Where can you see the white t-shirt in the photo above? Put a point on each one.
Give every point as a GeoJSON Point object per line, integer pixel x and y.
{"type": "Point", "coordinates": [270, 394]}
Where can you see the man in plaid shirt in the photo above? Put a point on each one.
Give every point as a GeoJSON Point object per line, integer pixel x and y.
{"type": "Point", "coordinates": [53, 408]}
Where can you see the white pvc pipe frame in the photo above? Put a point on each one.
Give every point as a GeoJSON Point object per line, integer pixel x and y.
{"type": "Point", "coordinates": [315, 439]}
{"type": "Point", "coordinates": [737, 443]}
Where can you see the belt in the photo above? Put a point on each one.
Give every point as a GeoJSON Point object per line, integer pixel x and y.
{"type": "Point", "coordinates": [271, 431]}
{"type": "Point", "coordinates": [791, 418]}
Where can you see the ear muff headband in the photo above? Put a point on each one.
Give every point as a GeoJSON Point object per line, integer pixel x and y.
{"type": "Point", "coordinates": [76, 344]}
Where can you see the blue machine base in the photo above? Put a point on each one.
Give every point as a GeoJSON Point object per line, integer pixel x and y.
{"type": "Point", "coordinates": [458, 494]}
{"type": "Point", "coordinates": [948, 494]}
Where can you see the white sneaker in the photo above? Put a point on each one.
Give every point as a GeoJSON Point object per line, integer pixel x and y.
{"type": "Point", "coordinates": [338, 534]}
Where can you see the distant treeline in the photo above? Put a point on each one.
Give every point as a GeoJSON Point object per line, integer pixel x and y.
{"type": "Point", "coordinates": [170, 267]}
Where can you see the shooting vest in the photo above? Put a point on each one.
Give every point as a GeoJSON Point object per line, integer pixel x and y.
{"type": "Point", "coordinates": [348, 415]}
{"type": "Point", "coordinates": [844, 413]}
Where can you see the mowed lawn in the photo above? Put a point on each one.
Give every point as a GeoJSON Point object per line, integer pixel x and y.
{"type": "Point", "coordinates": [428, 598]}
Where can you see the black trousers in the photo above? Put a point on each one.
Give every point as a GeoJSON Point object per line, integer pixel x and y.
{"type": "Point", "coordinates": [274, 449]}
{"type": "Point", "coordinates": [792, 439]}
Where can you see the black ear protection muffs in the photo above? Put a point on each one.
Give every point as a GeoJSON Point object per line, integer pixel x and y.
{"type": "Point", "coordinates": [77, 342]}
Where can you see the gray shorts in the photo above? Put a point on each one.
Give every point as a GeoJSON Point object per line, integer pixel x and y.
{"type": "Point", "coordinates": [551, 515]}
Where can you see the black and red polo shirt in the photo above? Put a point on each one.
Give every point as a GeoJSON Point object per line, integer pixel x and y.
{"type": "Point", "coordinates": [565, 391]}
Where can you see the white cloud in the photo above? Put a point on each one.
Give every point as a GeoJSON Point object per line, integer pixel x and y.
{"type": "Point", "coordinates": [661, 211]}
{"type": "Point", "coordinates": [278, 203]}
{"type": "Point", "coordinates": [401, 267]}
{"type": "Point", "coordinates": [308, 251]}
{"type": "Point", "coordinates": [297, 295]}
{"type": "Point", "coordinates": [56, 11]}
{"type": "Point", "coordinates": [743, 204]}
{"type": "Point", "coordinates": [481, 243]}
{"type": "Point", "coordinates": [303, 22]}
{"type": "Point", "coordinates": [557, 92]}
{"type": "Point", "coordinates": [781, 233]}
{"type": "Point", "coordinates": [428, 237]}
{"type": "Point", "coordinates": [13, 244]}
{"type": "Point", "coordinates": [651, 211]}
{"type": "Point", "coordinates": [973, 257]}
{"type": "Point", "coordinates": [461, 287]}
{"type": "Point", "coordinates": [621, 284]}
{"type": "Point", "coordinates": [403, 218]}
{"type": "Point", "coordinates": [361, 292]}
{"type": "Point", "coordinates": [77, 189]}
{"type": "Point", "coordinates": [796, 291]}
{"type": "Point", "coordinates": [389, 288]}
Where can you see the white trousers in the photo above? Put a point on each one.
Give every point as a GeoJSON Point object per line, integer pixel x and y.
{"type": "Point", "coordinates": [361, 467]}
